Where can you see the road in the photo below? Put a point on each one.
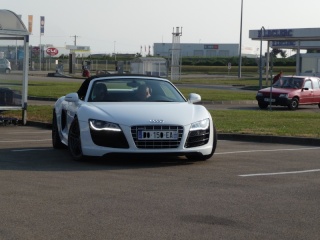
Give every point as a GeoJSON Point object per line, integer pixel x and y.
{"type": "Point", "coordinates": [246, 191]}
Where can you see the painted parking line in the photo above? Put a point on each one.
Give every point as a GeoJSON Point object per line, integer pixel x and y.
{"type": "Point", "coordinates": [279, 173]}
{"type": "Point", "coordinates": [31, 149]}
{"type": "Point", "coordinates": [269, 150]}
{"type": "Point", "coordinates": [16, 141]}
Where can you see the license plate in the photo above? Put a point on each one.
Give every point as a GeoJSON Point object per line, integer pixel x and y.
{"type": "Point", "coordinates": [268, 100]}
{"type": "Point", "coordinates": [154, 135]}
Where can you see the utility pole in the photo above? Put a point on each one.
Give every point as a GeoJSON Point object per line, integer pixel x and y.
{"type": "Point", "coordinates": [75, 39]}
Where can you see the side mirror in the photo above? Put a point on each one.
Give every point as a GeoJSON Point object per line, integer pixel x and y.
{"type": "Point", "coordinates": [193, 98]}
{"type": "Point", "coordinates": [72, 97]}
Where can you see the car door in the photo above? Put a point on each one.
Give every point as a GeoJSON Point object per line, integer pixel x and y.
{"type": "Point", "coordinates": [316, 90]}
{"type": "Point", "coordinates": [307, 92]}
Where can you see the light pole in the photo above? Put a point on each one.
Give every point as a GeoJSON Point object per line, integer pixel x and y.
{"type": "Point", "coordinates": [114, 50]}
{"type": "Point", "coordinates": [260, 67]}
{"type": "Point", "coordinates": [240, 43]}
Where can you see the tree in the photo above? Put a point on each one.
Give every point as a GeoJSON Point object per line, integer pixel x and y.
{"type": "Point", "coordinates": [276, 51]}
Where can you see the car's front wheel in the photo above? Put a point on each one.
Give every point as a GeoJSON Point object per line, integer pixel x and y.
{"type": "Point", "coordinates": [7, 70]}
{"type": "Point", "coordinates": [294, 104]}
{"type": "Point", "coordinates": [74, 141]}
{"type": "Point", "coordinates": [262, 105]}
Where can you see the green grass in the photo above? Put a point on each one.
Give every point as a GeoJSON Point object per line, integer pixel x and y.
{"type": "Point", "coordinates": [55, 90]}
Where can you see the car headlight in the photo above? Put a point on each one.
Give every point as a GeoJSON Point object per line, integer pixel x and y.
{"type": "Point", "coordinates": [201, 125]}
{"type": "Point", "coordinates": [100, 125]}
{"type": "Point", "coordinates": [283, 95]}
{"type": "Point", "coordinates": [259, 94]}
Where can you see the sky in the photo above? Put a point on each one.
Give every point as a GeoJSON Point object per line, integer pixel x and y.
{"type": "Point", "coordinates": [124, 26]}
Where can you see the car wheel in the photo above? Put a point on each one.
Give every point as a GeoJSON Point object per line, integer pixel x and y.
{"type": "Point", "coordinates": [319, 105]}
{"type": "Point", "coordinates": [294, 104]}
{"type": "Point", "coordinates": [74, 141]}
{"type": "Point", "coordinates": [7, 70]}
{"type": "Point", "coordinates": [56, 140]}
{"type": "Point", "coordinates": [206, 157]}
{"type": "Point", "coordinates": [262, 105]}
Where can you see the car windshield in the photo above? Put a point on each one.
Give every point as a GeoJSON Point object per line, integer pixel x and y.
{"type": "Point", "coordinates": [133, 90]}
{"type": "Point", "coordinates": [289, 82]}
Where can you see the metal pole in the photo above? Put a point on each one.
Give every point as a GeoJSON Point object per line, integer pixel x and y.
{"type": "Point", "coordinates": [40, 53]}
{"type": "Point", "coordinates": [260, 67]}
{"type": "Point", "coordinates": [240, 44]}
{"type": "Point", "coordinates": [114, 50]}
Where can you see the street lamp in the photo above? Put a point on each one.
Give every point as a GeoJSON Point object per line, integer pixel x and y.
{"type": "Point", "coordinates": [114, 50]}
{"type": "Point", "coordinates": [240, 44]}
{"type": "Point", "coordinates": [260, 67]}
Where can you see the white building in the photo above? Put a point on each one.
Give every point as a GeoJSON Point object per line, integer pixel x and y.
{"type": "Point", "coordinates": [203, 50]}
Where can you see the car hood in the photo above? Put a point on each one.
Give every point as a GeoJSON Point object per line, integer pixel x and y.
{"type": "Point", "coordinates": [141, 113]}
{"type": "Point", "coordinates": [278, 90]}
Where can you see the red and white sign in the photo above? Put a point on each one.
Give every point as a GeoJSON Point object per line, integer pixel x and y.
{"type": "Point", "coordinates": [52, 51]}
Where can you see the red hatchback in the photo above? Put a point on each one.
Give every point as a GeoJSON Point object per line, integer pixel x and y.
{"type": "Point", "coordinates": [291, 91]}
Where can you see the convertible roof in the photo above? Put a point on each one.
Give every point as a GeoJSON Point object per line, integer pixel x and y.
{"type": "Point", "coordinates": [84, 86]}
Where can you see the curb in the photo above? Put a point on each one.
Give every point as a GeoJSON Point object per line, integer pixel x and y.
{"type": "Point", "coordinates": [269, 139]}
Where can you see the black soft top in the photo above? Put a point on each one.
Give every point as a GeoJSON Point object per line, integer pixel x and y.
{"type": "Point", "coordinates": [84, 86]}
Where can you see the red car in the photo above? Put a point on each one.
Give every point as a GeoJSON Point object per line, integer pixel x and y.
{"type": "Point", "coordinates": [291, 91]}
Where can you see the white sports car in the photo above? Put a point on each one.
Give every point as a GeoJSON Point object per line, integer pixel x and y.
{"type": "Point", "coordinates": [132, 114]}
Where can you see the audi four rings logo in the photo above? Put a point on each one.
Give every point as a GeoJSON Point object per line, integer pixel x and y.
{"type": "Point", "coordinates": [156, 121]}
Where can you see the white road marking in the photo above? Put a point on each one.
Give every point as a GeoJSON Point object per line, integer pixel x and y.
{"type": "Point", "coordinates": [270, 150]}
{"type": "Point", "coordinates": [16, 141]}
{"type": "Point", "coordinates": [279, 173]}
{"type": "Point", "coordinates": [30, 149]}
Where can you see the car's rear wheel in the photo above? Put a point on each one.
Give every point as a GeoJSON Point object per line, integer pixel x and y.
{"type": "Point", "coordinates": [74, 141]}
{"type": "Point", "coordinates": [262, 105]}
{"type": "Point", "coordinates": [293, 104]}
{"type": "Point", "coordinates": [56, 140]}
{"type": "Point", "coordinates": [7, 70]}
{"type": "Point", "coordinates": [319, 105]}
{"type": "Point", "coordinates": [206, 157]}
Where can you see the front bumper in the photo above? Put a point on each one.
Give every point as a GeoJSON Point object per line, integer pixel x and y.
{"type": "Point", "coordinates": [276, 100]}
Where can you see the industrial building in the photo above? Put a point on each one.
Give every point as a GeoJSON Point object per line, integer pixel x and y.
{"type": "Point", "coordinates": [203, 50]}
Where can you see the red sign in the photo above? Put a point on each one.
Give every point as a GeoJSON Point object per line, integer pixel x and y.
{"type": "Point", "coordinates": [36, 49]}
{"type": "Point", "coordinates": [52, 51]}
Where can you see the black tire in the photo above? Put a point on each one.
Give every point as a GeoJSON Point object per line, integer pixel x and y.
{"type": "Point", "coordinates": [7, 71]}
{"type": "Point", "coordinates": [206, 157]}
{"type": "Point", "coordinates": [56, 140]}
{"type": "Point", "coordinates": [74, 141]}
{"type": "Point", "coordinates": [319, 105]}
{"type": "Point", "coordinates": [294, 104]}
{"type": "Point", "coordinates": [263, 105]}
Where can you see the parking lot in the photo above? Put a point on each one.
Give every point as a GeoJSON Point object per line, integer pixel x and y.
{"type": "Point", "coordinates": [248, 190]}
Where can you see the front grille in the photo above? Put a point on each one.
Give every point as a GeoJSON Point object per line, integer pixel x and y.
{"type": "Point", "coordinates": [157, 144]}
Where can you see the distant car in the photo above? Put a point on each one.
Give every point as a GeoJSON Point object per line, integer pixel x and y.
{"type": "Point", "coordinates": [291, 91]}
{"type": "Point", "coordinates": [5, 65]}
{"type": "Point", "coordinates": [132, 114]}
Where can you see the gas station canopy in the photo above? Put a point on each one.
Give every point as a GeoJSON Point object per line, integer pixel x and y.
{"type": "Point", "coordinates": [291, 38]}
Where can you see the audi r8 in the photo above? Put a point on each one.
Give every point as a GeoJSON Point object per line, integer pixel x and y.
{"type": "Point", "coordinates": [132, 114]}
